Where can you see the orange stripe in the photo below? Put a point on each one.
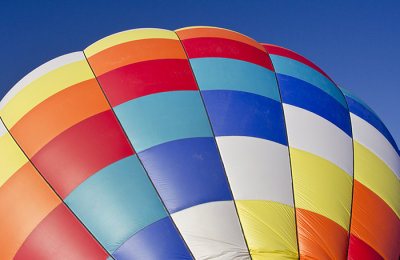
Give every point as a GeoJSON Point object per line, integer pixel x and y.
{"type": "Point", "coordinates": [374, 222]}
{"type": "Point", "coordinates": [25, 199]}
{"type": "Point", "coordinates": [319, 237]}
{"type": "Point", "coordinates": [219, 33]}
{"type": "Point", "coordinates": [57, 113]}
{"type": "Point", "coordinates": [135, 51]}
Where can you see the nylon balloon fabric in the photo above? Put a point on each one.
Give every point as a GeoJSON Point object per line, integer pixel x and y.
{"type": "Point", "coordinates": [199, 143]}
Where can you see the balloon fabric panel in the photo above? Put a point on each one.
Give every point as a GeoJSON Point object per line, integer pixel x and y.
{"type": "Point", "coordinates": [321, 156]}
{"type": "Point", "coordinates": [243, 104]}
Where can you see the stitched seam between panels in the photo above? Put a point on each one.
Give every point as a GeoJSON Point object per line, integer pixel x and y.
{"type": "Point", "coordinates": [219, 152]}
{"type": "Point", "coordinates": [352, 187]}
{"type": "Point", "coordinates": [290, 159]}
{"type": "Point", "coordinates": [62, 201]}
{"type": "Point", "coordinates": [140, 161]}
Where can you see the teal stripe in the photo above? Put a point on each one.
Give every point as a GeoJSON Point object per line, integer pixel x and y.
{"type": "Point", "coordinates": [293, 68]}
{"type": "Point", "coordinates": [231, 74]}
{"type": "Point", "coordinates": [117, 202]}
{"type": "Point", "coordinates": [163, 117]}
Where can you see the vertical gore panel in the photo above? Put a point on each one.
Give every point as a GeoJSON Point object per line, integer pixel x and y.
{"type": "Point", "coordinates": [60, 236]}
{"type": "Point", "coordinates": [157, 102]}
{"type": "Point", "coordinates": [375, 224]}
{"type": "Point", "coordinates": [238, 85]}
{"type": "Point", "coordinates": [25, 199]}
{"type": "Point", "coordinates": [82, 150]}
{"type": "Point", "coordinates": [319, 135]}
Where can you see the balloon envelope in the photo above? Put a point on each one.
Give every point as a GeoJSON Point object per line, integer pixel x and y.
{"type": "Point", "coordinates": [199, 143]}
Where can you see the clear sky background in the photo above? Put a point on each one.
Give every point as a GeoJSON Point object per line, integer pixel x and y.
{"type": "Point", "coordinates": [357, 43]}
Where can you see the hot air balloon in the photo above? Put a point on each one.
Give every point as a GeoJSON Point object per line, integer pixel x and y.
{"type": "Point", "coordinates": [199, 143]}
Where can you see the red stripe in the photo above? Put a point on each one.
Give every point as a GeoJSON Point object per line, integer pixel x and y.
{"type": "Point", "coordinates": [145, 78]}
{"type": "Point", "coordinates": [358, 249]}
{"type": "Point", "coordinates": [226, 48]}
{"type": "Point", "coordinates": [60, 236]}
{"type": "Point", "coordinates": [277, 50]}
{"type": "Point", "coordinates": [81, 151]}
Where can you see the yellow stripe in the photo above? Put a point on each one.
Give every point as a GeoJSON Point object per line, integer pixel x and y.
{"type": "Point", "coordinates": [127, 36]}
{"type": "Point", "coordinates": [321, 187]}
{"type": "Point", "coordinates": [372, 172]}
{"type": "Point", "coordinates": [269, 228]}
{"type": "Point", "coordinates": [11, 158]}
{"type": "Point", "coordinates": [44, 87]}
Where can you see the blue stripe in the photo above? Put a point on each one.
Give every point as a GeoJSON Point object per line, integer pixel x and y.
{"type": "Point", "coordinates": [160, 240]}
{"type": "Point", "coordinates": [304, 95]}
{"type": "Point", "coordinates": [287, 66]}
{"type": "Point", "coordinates": [349, 94]}
{"type": "Point", "coordinates": [236, 113]}
{"type": "Point", "coordinates": [116, 202]}
{"type": "Point", "coordinates": [187, 172]}
{"type": "Point", "coordinates": [159, 118]}
{"type": "Point", "coordinates": [231, 74]}
{"type": "Point", "coordinates": [364, 113]}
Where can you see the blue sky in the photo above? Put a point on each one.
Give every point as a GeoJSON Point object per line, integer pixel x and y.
{"type": "Point", "coordinates": [355, 42]}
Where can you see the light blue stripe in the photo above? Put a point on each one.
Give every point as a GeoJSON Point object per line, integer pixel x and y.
{"type": "Point", "coordinates": [287, 66]}
{"type": "Point", "coordinates": [163, 117]}
{"type": "Point", "coordinates": [117, 202]}
{"type": "Point", "coordinates": [231, 74]}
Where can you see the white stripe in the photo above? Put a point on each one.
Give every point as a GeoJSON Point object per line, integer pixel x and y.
{"type": "Point", "coordinates": [375, 141]}
{"type": "Point", "coordinates": [257, 169]}
{"type": "Point", "coordinates": [311, 133]}
{"type": "Point", "coordinates": [212, 231]}
{"type": "Point", "coordinates": [39, 72]}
